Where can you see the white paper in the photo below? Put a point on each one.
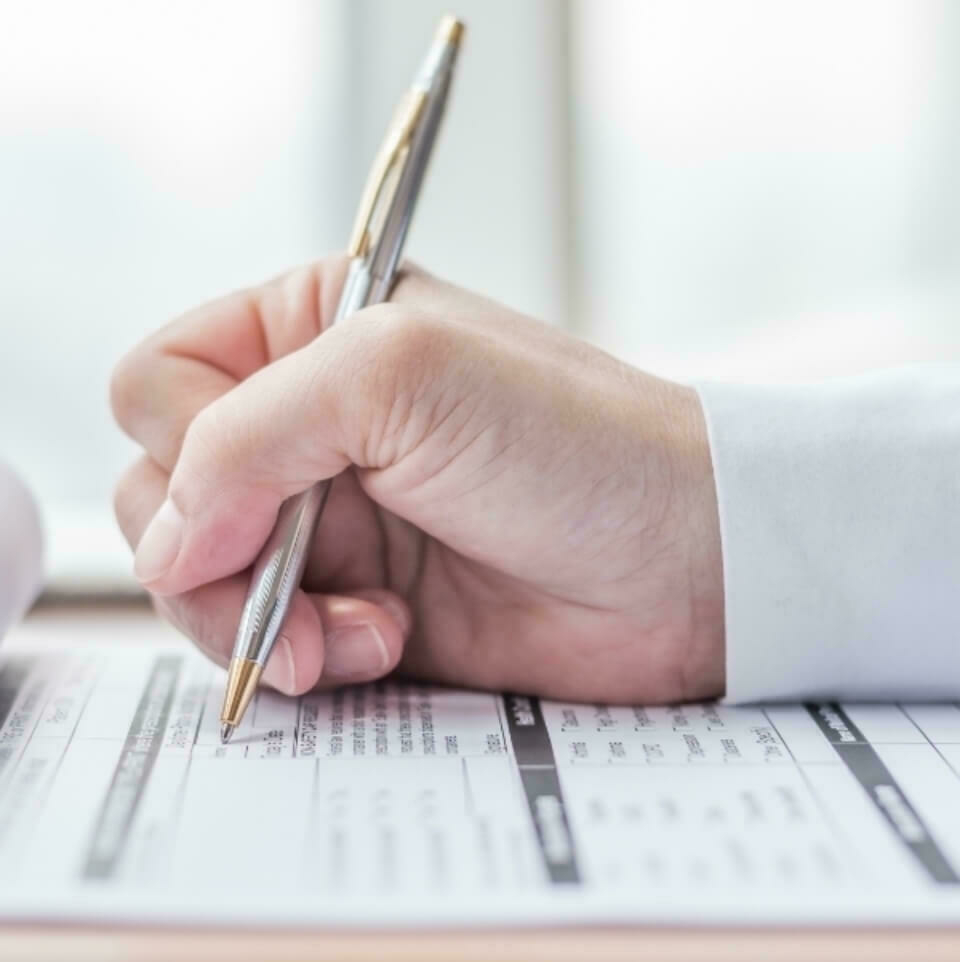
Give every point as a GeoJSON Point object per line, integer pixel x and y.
{"type": "Point", "coordinates": [21, 548]}
{"type": "Point", "coordinates": [403, 804]}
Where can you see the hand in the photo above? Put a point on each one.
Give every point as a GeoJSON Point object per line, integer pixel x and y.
{"type": "Point", "coordinates": [513, 509]}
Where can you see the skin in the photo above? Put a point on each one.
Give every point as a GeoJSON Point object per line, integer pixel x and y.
{"type": "Point", "coordinates": [513, 508]}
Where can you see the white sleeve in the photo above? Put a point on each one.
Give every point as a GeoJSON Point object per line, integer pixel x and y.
{"type": "Point", "coordinates": [840, 522]}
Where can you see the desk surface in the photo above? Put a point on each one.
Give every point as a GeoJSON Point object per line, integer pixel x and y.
{"type": "Point", "coordinates": [47, 945]}
{"type": "Point", "coordinates": [40, 944]}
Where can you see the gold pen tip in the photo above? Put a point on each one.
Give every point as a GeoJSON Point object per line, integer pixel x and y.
{"type": "Point", "coordinates": [226, 733]}
{"type": "Point", "coordinates": [242, 677]}
{"type": "Point", "coordinates": [450, 30]}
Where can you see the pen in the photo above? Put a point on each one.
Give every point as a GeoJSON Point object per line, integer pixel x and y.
{"type": "Point", "coordinates": [375, 246]}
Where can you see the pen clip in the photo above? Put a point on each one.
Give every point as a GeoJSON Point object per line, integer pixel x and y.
{"type": "Point", "coordinates": [386, 169]}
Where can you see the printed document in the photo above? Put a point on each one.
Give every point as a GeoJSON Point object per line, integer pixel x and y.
{"type": "Point", "coordinates": [406, 804]}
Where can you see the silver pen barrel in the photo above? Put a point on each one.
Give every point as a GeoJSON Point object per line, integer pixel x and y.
{"type": "Point", "coordinates": [281, 562]}
{"type": "Point", "coordinates": [280, 565]}
{"type": "Point", "coordinates": [433, 83]}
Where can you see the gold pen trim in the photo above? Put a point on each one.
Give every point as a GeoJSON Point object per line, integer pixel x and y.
{"type": "Point", "coordinates": [243, 677]}
{"type": "Point", "coordinates": [384, 174]}
{"type": "Point", "coordinates": [450, 30]}
{"type": "Point", "coordinates": [389, 158]}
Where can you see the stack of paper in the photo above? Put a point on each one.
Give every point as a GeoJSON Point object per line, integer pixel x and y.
{"type": "Point", "coordinates": [402, 804]}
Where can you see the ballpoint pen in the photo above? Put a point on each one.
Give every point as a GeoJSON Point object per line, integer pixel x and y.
{"type": "Point", "coordinates": [375, 246]}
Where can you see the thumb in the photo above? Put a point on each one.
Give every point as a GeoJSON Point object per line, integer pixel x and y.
{"type": "Point", "coordinates": [302, 419]}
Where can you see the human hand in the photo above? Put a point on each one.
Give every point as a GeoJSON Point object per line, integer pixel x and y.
{"type": "Point", "coordinates": [513, 509]}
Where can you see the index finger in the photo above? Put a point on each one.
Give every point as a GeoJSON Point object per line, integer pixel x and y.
{"type": "Point", "coordinates": [161, 385]}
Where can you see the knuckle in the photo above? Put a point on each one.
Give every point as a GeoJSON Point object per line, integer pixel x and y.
{"type": "Point", "coordinates": [122, 494]}
{"type": "Point", "coordinates": [398, 358]}
{"type": "Point", "coordinates": [131, 498]}
{"type": "Point", "coordinates": [125, 387]}
{"type": "Point", "coordinates": [206, 444]}
{"type": "Point", "coordinates": [221, 453]}
{"type": "Point", "coordinates": [379, 382]}
{"type": "Point", "coordinates": [396, 340]}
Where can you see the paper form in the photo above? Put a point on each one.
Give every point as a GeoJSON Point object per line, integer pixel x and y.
{"type": "Point", "coordinates": [403, 804]}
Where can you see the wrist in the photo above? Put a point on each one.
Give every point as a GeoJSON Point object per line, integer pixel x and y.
{"type": "Point", "coordinates": [697, 522]}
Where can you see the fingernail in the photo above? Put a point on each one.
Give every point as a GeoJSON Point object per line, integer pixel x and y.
{"type": "Point", "coordinates": [357, 651]}
{"type": "Point", "coordinates": [160, 544]}
{"type": "Point", "coordinates": [278, 671]}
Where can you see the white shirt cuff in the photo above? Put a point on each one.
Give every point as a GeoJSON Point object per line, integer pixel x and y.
{"type": "Point", "coordinates": [840, 522]}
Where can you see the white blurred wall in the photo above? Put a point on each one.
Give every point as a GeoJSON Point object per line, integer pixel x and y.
{"type": "Point", "coordinates": [768, 189]}
{"type": "Point", "coordinates": [151, 156]}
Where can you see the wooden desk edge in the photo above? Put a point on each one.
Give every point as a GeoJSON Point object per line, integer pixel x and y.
{"type": "Point", "coordinates": [46, 944]}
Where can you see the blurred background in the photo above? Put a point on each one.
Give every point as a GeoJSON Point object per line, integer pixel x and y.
{"type": "Point", "coordinates": [737, 189]}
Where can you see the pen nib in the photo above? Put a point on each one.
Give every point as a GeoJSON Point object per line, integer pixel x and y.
{"type": "Point", "coordinates": [226, 733]}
